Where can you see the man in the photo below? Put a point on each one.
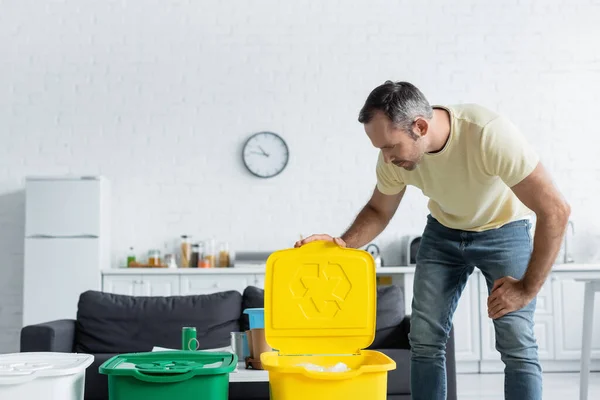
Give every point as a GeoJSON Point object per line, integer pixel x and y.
{"type": "Point", "coordinates": [483, 181]}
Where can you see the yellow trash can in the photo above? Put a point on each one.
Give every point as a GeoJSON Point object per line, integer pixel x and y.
{"type": "Point", "coordinates": [320, 310]}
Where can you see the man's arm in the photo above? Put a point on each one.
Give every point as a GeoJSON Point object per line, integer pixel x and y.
{"type": "Point", "coordinates": [369, 222]}
{"type": "Point", "coordinates": [540, 195]}
{"type": "Point", "coordinates": [372, 219]}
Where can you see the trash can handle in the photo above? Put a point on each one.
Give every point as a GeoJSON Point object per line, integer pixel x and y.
{"type": "Point", "coordinates": [167, 378]}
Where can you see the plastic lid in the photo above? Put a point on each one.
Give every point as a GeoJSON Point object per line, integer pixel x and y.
{"type": "Point", "coordinates": [320, 299]}
{"type": "Point", "coordinates": [17, 368]}
{"type": "Point", "coordinates": [254, 311]}
{"type": "Point", "coordinates": [174, 365]}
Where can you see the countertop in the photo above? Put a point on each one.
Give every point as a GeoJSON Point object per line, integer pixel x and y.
{"type": "Point", "coordinates": [574, 268]}
{"type": "Point", "coordinates": [238, 270]}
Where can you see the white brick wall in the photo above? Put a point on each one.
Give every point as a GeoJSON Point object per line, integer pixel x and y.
{"type": "Point", "coordinates": [160, 95]}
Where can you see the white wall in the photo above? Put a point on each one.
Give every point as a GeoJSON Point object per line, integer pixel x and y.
{"type": "Point", "coordinates": [160, 95]}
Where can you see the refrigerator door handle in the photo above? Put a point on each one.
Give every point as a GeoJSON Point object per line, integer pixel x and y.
{"type": "Point", "coordinates": [40, 236]}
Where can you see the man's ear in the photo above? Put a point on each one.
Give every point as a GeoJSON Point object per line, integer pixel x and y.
{"type": "Point", "coordinates": [421, 127]}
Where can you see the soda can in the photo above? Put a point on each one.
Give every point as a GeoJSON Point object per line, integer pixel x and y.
{"type": "Point", "coordinates": [189, 340]}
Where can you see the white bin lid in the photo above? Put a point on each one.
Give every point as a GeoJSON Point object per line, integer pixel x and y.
{"type": "Point", "coordinates": [17, 368]}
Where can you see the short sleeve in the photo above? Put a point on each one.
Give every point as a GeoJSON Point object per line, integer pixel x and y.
{"type": "Point", "coordinates": [388, 181]}
{"type": "Point", "coordinates": [506, 152]}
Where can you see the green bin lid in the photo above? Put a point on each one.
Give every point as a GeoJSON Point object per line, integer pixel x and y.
{"type": "Point", "coordinates": [161, 366]}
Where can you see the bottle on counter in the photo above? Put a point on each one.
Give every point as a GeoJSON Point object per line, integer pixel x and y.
{"type": "Point", "coordinates": [130, 257]}
{"type": "Point", "coordinates": [224, 259]}
{"type": "Point", "coordinates": [195, 255]}
{"type": "Point", "coordinates": [186, 251]}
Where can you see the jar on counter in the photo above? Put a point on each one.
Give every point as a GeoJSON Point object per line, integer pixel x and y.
{"type": "Point", "coordinates": [170, 261]}
{"type": "Point", "coordinates": [224, 259]}
{"type": "Point", "coordinates": [186, 251]}
{"type": "Point", "coordinates": [210, 254]}
{"type": "Point", "coordinates": [195, 255]}
{"type": "Point", "coordinates": [201, 252]}
{"type": "Point", "coordinates": [154, 257]}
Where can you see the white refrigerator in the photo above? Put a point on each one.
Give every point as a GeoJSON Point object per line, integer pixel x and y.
{"type": "Point", "coordinates": [67, 244]}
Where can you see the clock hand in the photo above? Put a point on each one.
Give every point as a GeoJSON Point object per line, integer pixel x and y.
{"type": "Point", "coordinates": [264, 152]}
{"type": "Point", "coordinates": [256, 152]}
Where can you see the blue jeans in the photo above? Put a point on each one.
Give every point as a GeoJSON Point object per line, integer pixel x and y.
{"type": "Point", "coordinates": [445, 260]}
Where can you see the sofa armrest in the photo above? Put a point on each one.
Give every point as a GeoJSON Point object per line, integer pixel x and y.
{"type": "Point", "coordinates": [56, 336]}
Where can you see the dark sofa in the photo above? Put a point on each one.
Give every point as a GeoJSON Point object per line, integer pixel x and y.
{"type": "Point", "coordinates": [109, 324]}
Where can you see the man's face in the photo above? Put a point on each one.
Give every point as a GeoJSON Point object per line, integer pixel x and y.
{"type": "Point", "coordinates": [398, 146]}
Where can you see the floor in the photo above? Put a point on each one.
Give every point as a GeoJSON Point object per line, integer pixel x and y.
{"type": "Point", "coordinates": [557, 386]}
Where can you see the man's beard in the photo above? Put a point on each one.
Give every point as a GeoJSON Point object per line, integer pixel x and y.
{"type": "Point", "coordinates": [409, 165]}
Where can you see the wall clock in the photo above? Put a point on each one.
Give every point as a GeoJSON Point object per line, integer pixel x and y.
{"type": "Point", "coordinates": [265, 154]}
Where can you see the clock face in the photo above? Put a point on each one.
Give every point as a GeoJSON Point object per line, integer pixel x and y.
{"type": "Point", "coordinates": [265, 154]}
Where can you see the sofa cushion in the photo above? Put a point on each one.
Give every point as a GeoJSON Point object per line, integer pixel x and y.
{"type": "Point", "coordinates": [390, 309]}
{"type": "Point", "coordinates": [390, 313]}
{"type": "Point", "coordinates": [111, 323]}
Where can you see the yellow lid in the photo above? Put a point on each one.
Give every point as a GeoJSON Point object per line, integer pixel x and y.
{"type": "Point", "coordinates": [320, 299]}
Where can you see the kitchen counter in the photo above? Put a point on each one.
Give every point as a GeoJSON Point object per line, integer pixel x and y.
{"type": "Point", "coordinates": [583, 267]}
{"type": "Point", "coordinates": [259, 269]}
{"type": "Point", "coordinates": [244, 269]}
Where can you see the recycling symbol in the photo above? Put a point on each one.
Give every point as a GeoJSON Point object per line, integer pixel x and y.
{"type": "Point", "coordinates": [321, 289]}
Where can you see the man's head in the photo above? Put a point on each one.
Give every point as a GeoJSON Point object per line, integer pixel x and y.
{"type": "Point", "coordinates": [396, 117]}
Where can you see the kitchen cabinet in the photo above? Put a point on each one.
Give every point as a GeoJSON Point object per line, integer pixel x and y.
{"type": "Point", "coordinates": [207, 284]}
{"type": "Point", "coordinates": [544, 333]}
{"type": "Point", "coordinates": [569, 320]}
{"type": "Point", "coordinates": [140, 285]}
{"type": "Point", "coordinates": [126, 284]}
{"type": "Point", "coordinates": [259, 281]}
{"type": "Point", "coordinates": [160, 285]}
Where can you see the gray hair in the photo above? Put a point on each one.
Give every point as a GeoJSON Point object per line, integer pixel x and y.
{"type": "Point", "coordinates": [401, 102]}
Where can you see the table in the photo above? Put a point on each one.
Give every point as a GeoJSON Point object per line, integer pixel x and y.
{"type": "Point", "coordinates": [248, 375]}
{"type": "Point", "coordinates": [591, 287]}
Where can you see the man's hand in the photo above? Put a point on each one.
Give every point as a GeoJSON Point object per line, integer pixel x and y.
{"type": "Point", "coordinates": [508, 295]}
{"type": "Point", "coordinates": [312, 238]}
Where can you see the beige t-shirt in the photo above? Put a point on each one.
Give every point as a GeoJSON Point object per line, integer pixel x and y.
{"type": "Point", "coordinates": [468, 181]}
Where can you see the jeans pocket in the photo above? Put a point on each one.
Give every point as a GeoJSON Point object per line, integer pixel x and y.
{"type": "Point", "coordinates": [528, 227]}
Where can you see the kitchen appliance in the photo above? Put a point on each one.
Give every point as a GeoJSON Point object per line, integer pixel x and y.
{"type": "Point", "coordinates": [67, 244]}
{"type": "Point", "coordinates": [374, 251]}
{"type": "Point", "coordinates": [250, 258]}
{"type": "Point", "coordinates": [409, 249]}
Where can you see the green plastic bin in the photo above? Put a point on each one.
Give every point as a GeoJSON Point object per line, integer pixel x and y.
{"type": "Point", "coordinates": [180, 375]}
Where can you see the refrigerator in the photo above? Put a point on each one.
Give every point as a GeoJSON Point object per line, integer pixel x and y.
{"type": "Point", "coordinates": [67, 244]}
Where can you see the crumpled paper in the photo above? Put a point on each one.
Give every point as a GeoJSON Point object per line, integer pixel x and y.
{"type": "Point", "coordinates": [339, 367]}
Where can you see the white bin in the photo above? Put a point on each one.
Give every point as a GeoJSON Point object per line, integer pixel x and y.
{"type": "Point", "coordinates": [43, 376]}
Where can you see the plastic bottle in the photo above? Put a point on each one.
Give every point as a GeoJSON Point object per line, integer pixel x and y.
{"type": "Point", "coordinates": [130, 257]}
